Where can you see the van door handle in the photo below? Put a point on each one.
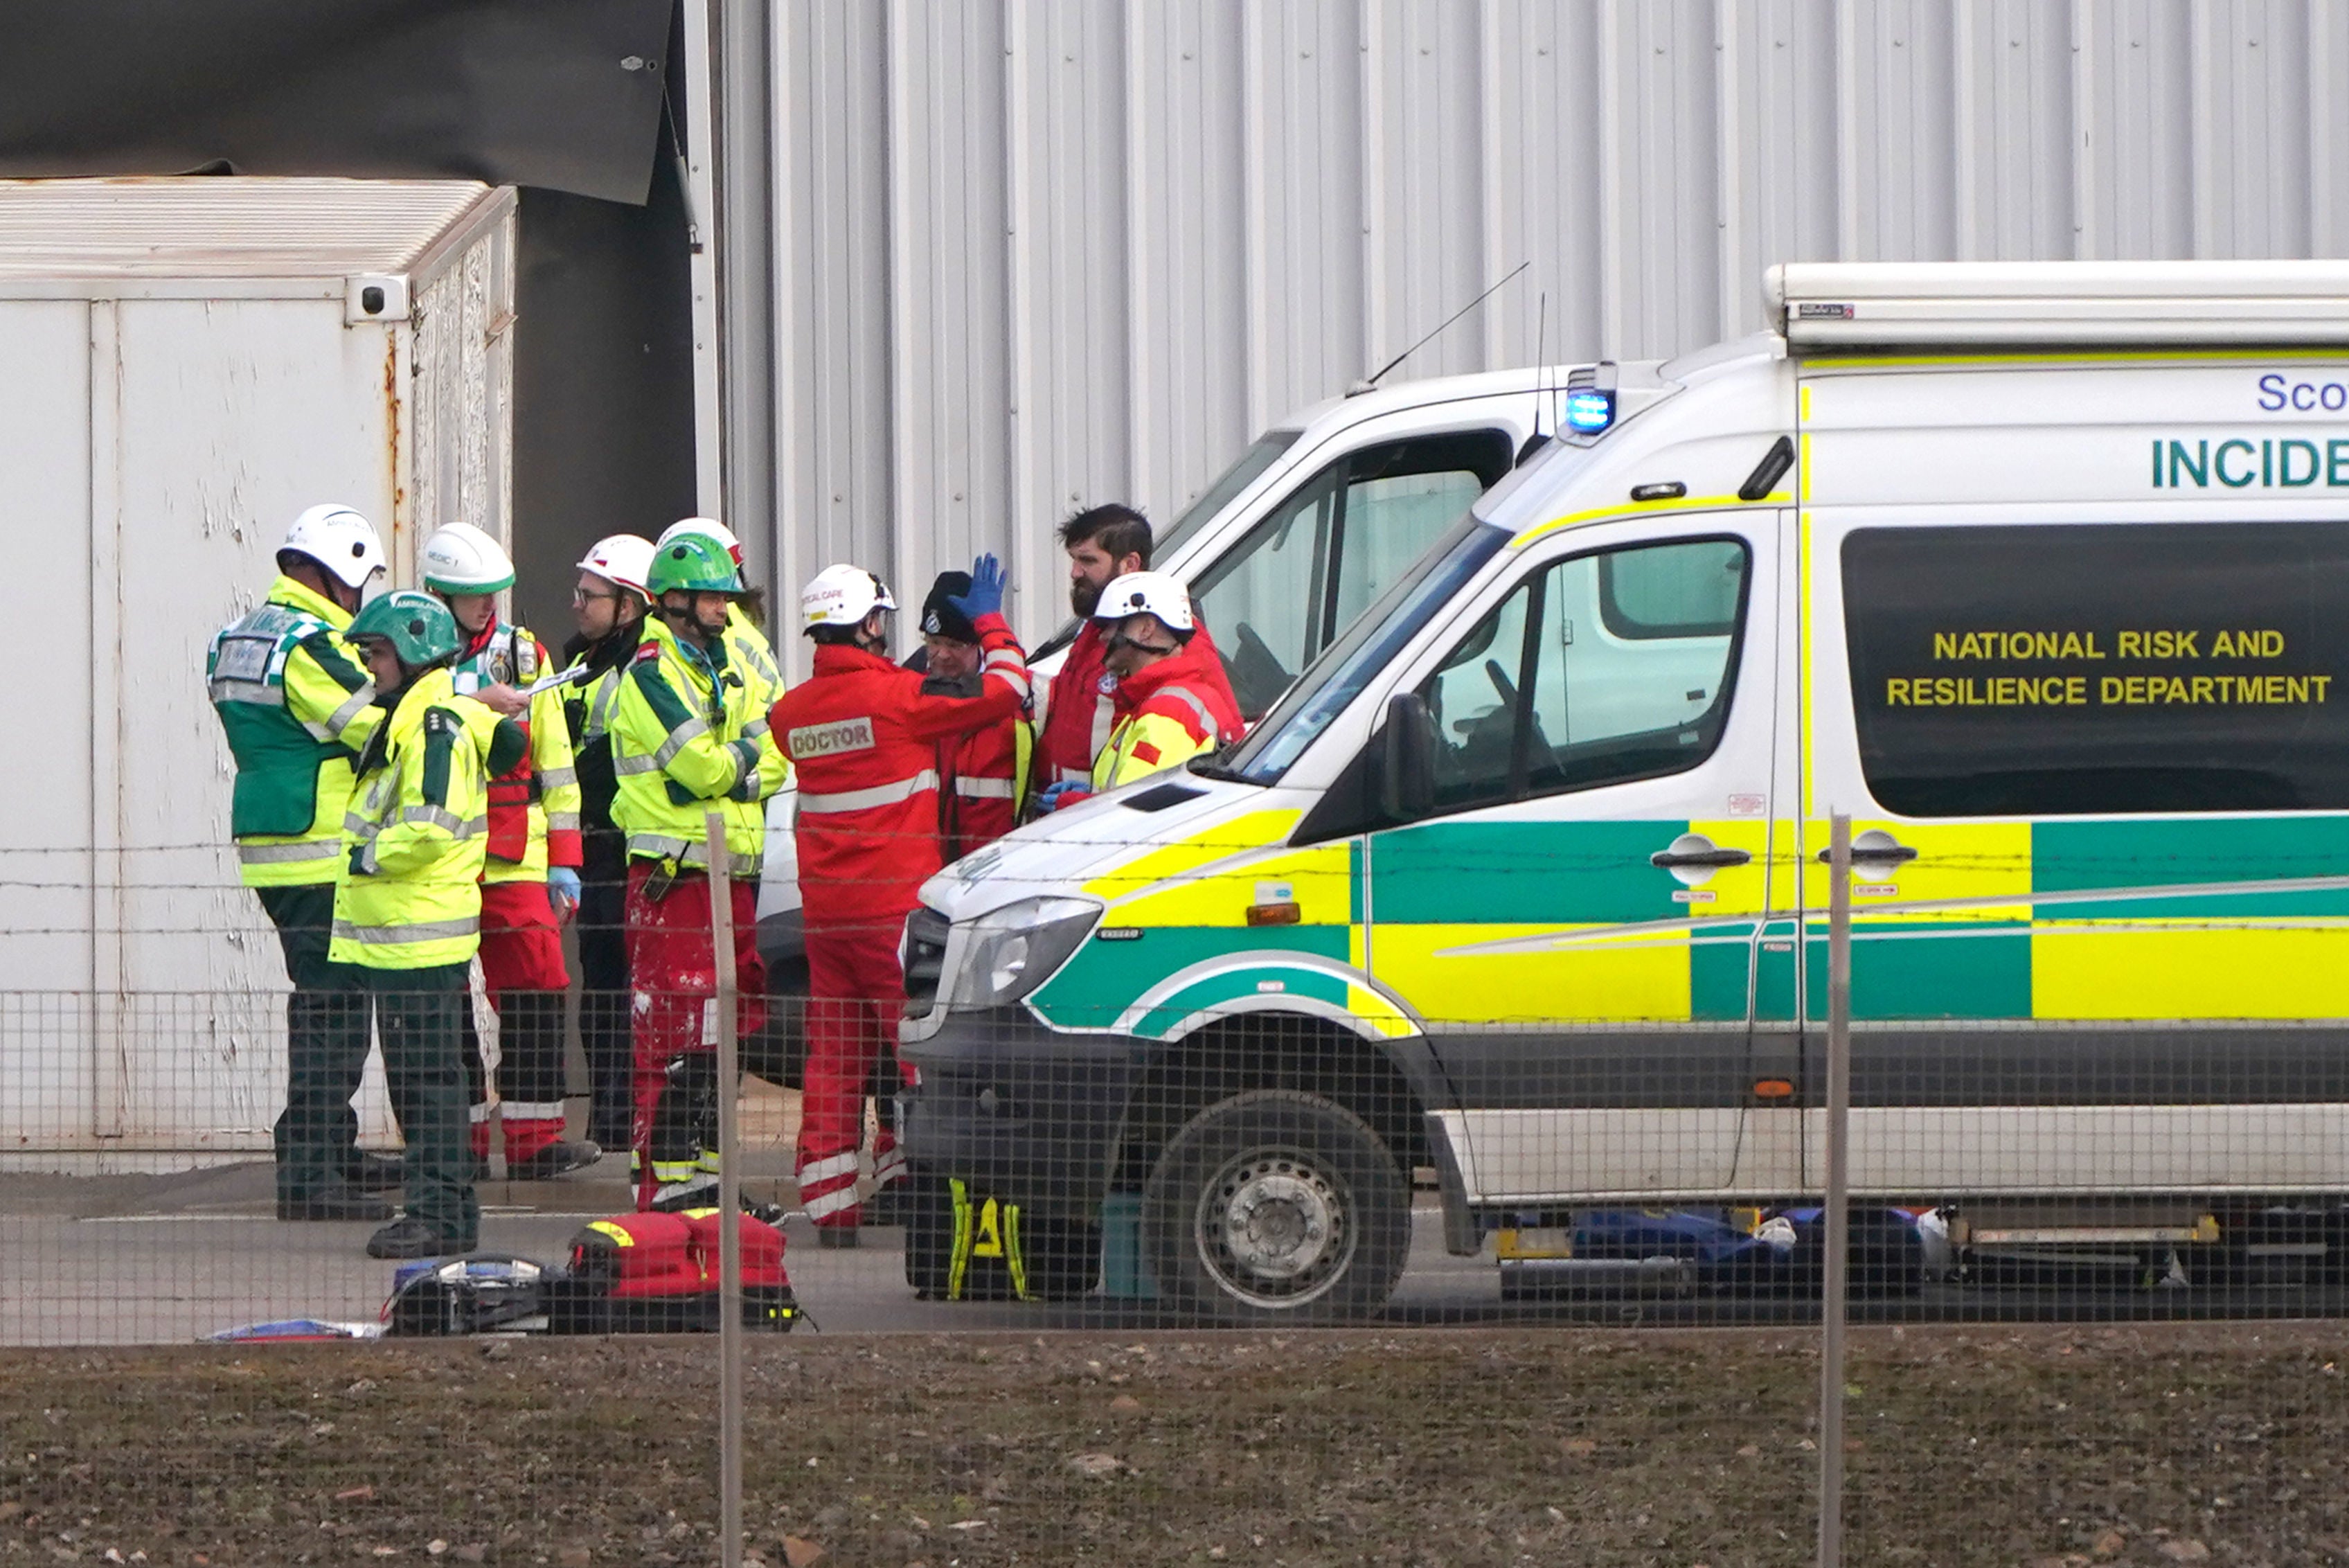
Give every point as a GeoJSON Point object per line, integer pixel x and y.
{"type": "Point", "coordinates": [1874, 848]}
{"type": "Point", "coordinates": [1695, 852]}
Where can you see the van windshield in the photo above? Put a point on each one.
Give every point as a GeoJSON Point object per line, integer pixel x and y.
{"type": "Point", "coordinates": [1260, 455]}
{"type": "Point", "coordinates": [1338, 677]}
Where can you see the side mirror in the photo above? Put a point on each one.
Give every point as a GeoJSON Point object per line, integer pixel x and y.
{"type": "Point", "coordinates": [1407, 776]}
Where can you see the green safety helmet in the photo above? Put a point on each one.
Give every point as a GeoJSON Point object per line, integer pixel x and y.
{"type": "Point", "coordinates": [418, 627]}
{"type": "Point", "coordinates": [693, 564]}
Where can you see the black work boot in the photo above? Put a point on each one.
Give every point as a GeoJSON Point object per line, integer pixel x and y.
{"type": "Point", "coordinates": [555, 1159]}
{"type": "Point", "coordinates": [410, 1238]}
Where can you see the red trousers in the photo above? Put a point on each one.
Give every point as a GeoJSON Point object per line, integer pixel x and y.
{"type": "Point", "coordinates": [672, 974]}
{"type": "Point", "coordinates": [855, 993]}
{"type": "Point", "coordinates": [522, 969]}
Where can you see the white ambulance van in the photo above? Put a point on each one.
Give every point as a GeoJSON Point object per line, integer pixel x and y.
{"type": "Point", "coordinates": [2039, 572]}
{"type": "Point", "coordinates": [1281, 553]}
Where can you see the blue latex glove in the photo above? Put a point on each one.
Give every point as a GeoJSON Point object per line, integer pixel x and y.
{"type": "Point", "coordinates": [986, 596]}
{"type": "Point", "coordinates": [1067, 792]}
{"type": "Point", "coordinates": [563, 891]}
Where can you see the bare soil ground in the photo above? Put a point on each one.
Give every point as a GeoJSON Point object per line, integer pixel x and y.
{"type": "Point", "coordinates": [2041, 1446]}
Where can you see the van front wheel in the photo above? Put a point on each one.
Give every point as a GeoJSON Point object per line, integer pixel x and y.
{"type": "Point", "coordinates": [1276, 1206]}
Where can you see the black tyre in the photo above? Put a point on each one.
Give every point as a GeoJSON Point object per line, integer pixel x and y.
{"type": "Point", "coordinates": [1277, 1206]}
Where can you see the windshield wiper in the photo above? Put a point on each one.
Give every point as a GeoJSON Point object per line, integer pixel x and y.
{"type": "Point", "coordinates": [1208, 767]}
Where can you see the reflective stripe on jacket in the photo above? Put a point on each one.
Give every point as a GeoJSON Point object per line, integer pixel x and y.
{"type": "Point", "coordinates": [752, 658]}
{"type": "Point", "coordinates": [982, 778]}
{"type": "Point", "coordinates": [1084, 703]}
{"type": "Point", "coordinates": [418, 832]}
{"type": "Point", "coordinates": [534, 806]}
{"type": "Point", "coordinates": [863, 735]}
{"type": "Point", "coordinates": [296, 704]}
{"type": "Point", "coordinates": [1171, 711]}
{"type": "Point", "coordinates": [679, 745]}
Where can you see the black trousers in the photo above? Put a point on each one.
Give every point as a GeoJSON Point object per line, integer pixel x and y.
{"type": "Point", "coordinates": [604, 998]}
{"type": "Point", "coordinates": [420, 1013]}
{"type": "Point", "coordinates": [316, 1136]}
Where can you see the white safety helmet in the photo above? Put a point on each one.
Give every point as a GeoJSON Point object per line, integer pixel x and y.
{"type": "Point", "coordinates": [1147, 593]}
{"type": "Point", "coordinates": [708, 528]}
{"type": "Point", "coordinates": [841, 596]}
{"type": "Point", "coordinates": [458, 558]}
{"type": "Point", "coordinates": [342, 542]}
{"type": "Point", "coordinates": [623, 558]}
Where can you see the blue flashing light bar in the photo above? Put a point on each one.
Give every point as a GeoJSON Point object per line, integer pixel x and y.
{"type": "Point", "coordinates": [1589, 411]}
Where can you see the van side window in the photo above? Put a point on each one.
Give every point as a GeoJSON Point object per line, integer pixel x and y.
{"type": "Point", "coordinates": [1560, 688]}
{"type": "Point", "coordinates": [1312, 565]}
{"type": "Point", "coordinates": [2064, 669]}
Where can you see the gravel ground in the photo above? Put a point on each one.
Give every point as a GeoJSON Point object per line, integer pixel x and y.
{"type": "Point", "coordinates": [2035, 1446]}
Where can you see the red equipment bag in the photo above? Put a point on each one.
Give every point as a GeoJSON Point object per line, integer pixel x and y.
{"type": "Point", "coordinates": [658, 1273]}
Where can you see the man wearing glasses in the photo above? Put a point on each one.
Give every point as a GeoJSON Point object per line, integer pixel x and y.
{"type": "Point", "coordinates": [608, 609]}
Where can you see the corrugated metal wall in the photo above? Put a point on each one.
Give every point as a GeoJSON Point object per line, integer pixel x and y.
{"type": "Point", "coordinates": [1039, 252]}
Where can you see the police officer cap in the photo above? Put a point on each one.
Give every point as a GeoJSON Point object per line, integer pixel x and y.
{"type": "Point", "coordinates": [939, 616]}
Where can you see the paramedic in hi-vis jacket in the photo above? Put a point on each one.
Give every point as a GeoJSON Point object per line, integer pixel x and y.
{"type": "Point", "coordinates": [863, 734]}
{"type": "Point", "coordinates": [684, 741]}
{"type": "Point", "coordinates": [530, 884]}
{"type": "Point", "coordinates": [982, 773]}
{"type": "Point", "coordinates": [1171, 702]}
{"type": "Point", "coordinates": [408, 901]}
{"type": "Point", "coordinates": [608, 606]}
{"type": "Point", "coordinates": [296, 704]}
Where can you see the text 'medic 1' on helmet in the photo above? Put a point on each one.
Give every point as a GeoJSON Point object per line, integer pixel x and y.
{"type": "Point", "coordinates": [708, 528]}
{"type": "Point", "coordinates": [418, 627]}
{"type": "Point", "coordinates": [1147, 593]}
{"type": "Point", "coordinates": [342, 542]}
{"type": "Point", "coordinates": [693, 564]}
{"type": "Point", "coordinates": [623, 558]}
{"type": "Point", "coordinates": [458, 558]}
{"type": "Point", "coordinates": [843, 595]}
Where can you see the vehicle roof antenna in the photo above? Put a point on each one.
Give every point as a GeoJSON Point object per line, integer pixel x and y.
{"type": "Point", "coordinates": [1535, 440]}
{"type": "Point", "coordinates": [1370, 383]}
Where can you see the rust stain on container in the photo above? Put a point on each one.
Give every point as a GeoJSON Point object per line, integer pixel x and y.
{"type": "Point", "coordinates": [391, 421]}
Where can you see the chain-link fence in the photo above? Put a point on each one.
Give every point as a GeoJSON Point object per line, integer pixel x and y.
{"type": "Point", "coordinates": [2071, 1097]}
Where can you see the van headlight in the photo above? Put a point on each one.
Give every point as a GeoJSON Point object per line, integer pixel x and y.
{"type": "Point", "coordinates": [1007, 953]}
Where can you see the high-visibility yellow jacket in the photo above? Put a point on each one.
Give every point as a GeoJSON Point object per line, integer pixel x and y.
{"type": "Point", "coordinates": [543, 797]}
{"type": "Point", "coordinates": [297, 706]}
{"type": "Point", "coordinates": [409, 895]}
{"type": "Point", "coordinates": [682, 741]}
{"type": "Point", "coordinates": [750, 655]}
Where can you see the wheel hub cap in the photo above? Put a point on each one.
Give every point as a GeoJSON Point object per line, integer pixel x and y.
{"type": "Point", "coordinates": [1274, 1227]}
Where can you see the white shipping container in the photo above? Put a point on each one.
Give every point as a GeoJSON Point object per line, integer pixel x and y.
{"type": "Point", "coordinates": [184, 365]}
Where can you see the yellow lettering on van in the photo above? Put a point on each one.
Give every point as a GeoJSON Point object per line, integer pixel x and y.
{"type": "Point", "coordinates": [1945, 645]}
{"type": "Point", "coordinates": [2132, 645]}
{"type": "Point", "coordinates": [2322, 682]}
{"type": "Point", "coordinates": [1896, 691]}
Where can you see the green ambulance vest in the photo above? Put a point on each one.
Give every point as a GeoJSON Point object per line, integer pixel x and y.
{"type": "Point", "coordinates": [418, 821]}
{"type": "Point", "coordinates": [292, 775]}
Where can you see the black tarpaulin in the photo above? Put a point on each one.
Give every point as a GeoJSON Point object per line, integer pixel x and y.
{"type": "Point", "coordinates": [562, 94]}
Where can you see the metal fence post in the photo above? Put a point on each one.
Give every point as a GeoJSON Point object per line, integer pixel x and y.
{"type": "Point", "coordinates": [730, 1200]}
{"type": "Point", "coordinates": [1837, 1265]}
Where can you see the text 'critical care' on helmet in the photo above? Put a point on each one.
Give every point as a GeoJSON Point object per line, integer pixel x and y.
{"type": "Point", "coordinates": [842, 595]}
